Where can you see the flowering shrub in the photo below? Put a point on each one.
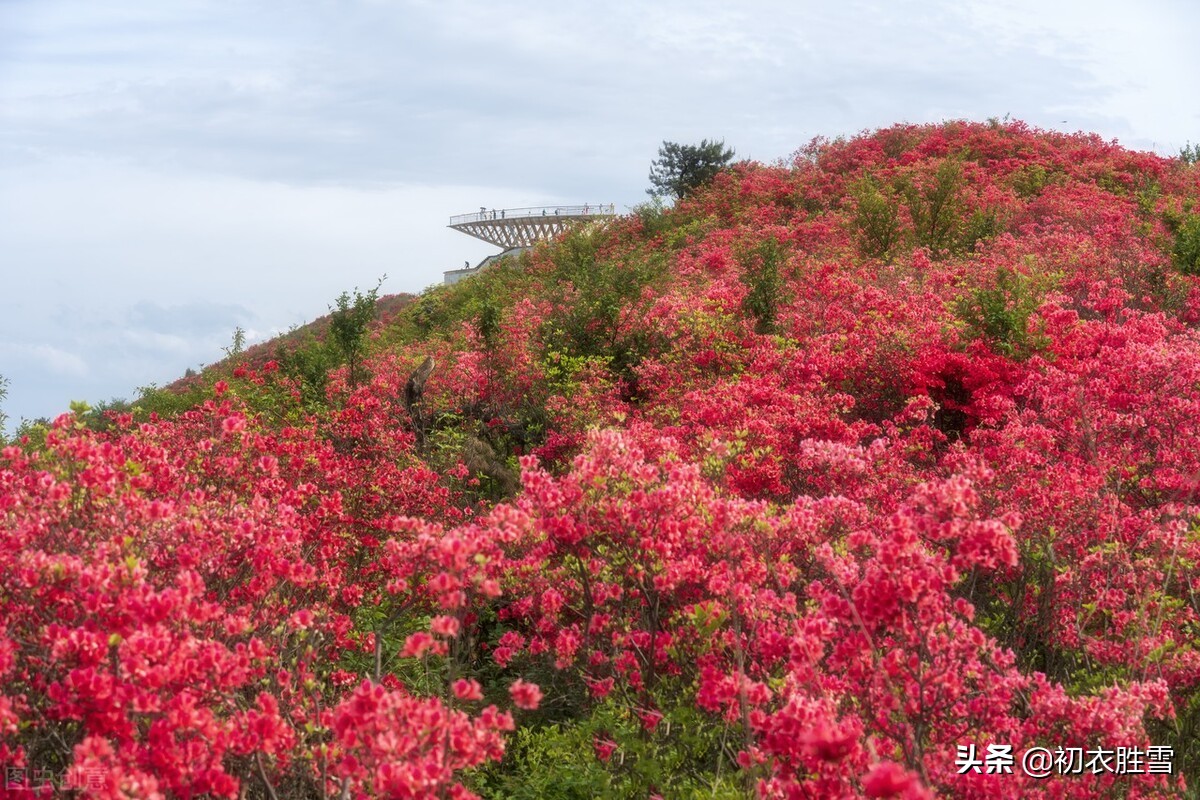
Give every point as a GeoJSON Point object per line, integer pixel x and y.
{"type": "Point", "coordinates": [178, 599]}
{"type": "Point", "coordinates": [812, 486]}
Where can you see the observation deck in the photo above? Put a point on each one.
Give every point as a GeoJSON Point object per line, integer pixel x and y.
{"type": "Point", "coordinates": [522, 227]}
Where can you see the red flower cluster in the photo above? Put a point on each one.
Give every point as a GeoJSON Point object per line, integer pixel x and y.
{"type": "Point", "coordinates": [828, 470]}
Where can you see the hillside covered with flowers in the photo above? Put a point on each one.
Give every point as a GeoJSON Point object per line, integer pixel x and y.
{"type": "Point", "coordinates": [834, 480]}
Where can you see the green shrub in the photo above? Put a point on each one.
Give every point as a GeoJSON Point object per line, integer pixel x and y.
{"type": "Point", "coordinates": [983, 225]}
{"type": "Point", "coordinates": [598, 303]}
{"type": "Point", "coordinates": [876, 219]}
{"type": "Point", "coordinates": [309, 364]}
{"type": "Point", "coordinates": [764, 282]}
{"type": "Point", "coordinates": [167, 403]}
{"type": "Point", "coordinates": [654, 216]}
{"type": "Point", "coordinates": [442, 309]}
{"type": "Point", "coordinates": [1186, 255]}
{"type": "Point", "coordinates": [1000, 313]}
{"type": "Point", "coordinates": [687, 756]}
{"type": "Point", "coordinates": [1030, 180]}
{"type": "Point", "coordinates": [934, 206]}
{"type": "Point", "coordinates": [1147, 192]}
{"type": "Point", "coordinates": [99, 416]}
{"type": "Point", "coordinates": [348, 322]}
{"type": "Point", "coordinates": [238, 345]}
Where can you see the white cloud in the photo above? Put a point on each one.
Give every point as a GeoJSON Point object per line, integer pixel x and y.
{"type": "Point", "coordinates": [51, 359]}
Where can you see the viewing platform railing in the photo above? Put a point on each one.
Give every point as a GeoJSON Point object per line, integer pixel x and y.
{"type": "Point", "coordinates": [498, 214]}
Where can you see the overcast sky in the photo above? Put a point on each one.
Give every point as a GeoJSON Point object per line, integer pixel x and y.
{"type": "Point", "coordinates": [172, 169]}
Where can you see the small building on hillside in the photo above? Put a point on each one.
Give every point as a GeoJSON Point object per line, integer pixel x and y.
{"type": "Point", "coordinates": [517, 229]}
{"type": "Point", "coordinates": [456, 275]}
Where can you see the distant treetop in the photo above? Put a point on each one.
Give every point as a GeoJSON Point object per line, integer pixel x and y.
{"type": "Point", "coordinates": [680, 169]}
